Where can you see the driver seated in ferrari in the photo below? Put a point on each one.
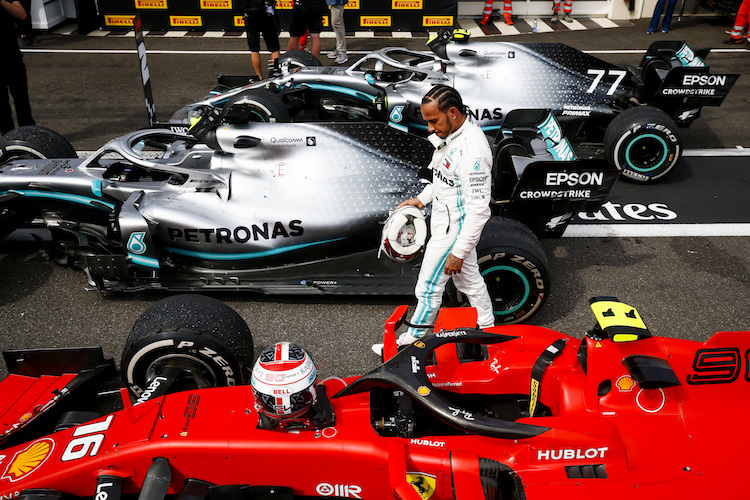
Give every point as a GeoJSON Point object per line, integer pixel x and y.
{"type": "Point", "coordinates": [286, 390]}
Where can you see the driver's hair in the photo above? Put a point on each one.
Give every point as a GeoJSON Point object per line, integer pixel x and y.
{"type": "Point", "coordinates": [446, 98]}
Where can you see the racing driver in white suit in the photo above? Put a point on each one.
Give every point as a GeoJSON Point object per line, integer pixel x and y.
{"type": "Point", "coordinates": [460, 196]}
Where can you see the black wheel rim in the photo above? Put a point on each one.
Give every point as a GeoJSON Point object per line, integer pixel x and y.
{"type": "Point", "coordinates": [509, 289]}
{"type": "Point", "coordinates": [647, 153]}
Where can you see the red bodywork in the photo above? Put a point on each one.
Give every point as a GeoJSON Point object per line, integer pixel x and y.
{"type": "Point", "coordinates": [606, 437]}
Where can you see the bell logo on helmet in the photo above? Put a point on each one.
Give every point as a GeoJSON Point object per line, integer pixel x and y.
{"type": "Point", "coordinates": [283, 381]}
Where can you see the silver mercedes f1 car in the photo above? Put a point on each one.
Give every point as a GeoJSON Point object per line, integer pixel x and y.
{"type": "Point", "coordinates": [284, 208]}
{"type": "Point", "coordinates": [630, 116]}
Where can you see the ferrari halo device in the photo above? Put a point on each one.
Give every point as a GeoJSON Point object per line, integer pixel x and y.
{"type": "Point", "coordinates": [513, 412]}
{"type": "Point", "coordinates": [628, 115]}
{"type": "Point", "coordinates": [404, 234]}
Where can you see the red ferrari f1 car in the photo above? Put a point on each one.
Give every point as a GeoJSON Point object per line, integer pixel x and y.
{"type": "Point", "coordinates": [513, 412]}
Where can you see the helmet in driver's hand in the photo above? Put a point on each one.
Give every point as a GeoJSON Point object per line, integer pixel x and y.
{"type": "Point", "coordinates": [404, 234]}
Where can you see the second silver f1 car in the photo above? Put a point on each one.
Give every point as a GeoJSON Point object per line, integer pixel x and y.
{"type": "Point", "coordinates": [630, 116]}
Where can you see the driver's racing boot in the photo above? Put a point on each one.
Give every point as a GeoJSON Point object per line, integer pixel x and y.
{"type": "Point", "coordinates": [403, 340]}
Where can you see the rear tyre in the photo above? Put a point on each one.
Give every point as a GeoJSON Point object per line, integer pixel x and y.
{"type": "Point", "coordinates": [255, 105]}
{"type": "Point", "coordinates": [512, 261]}
{"type": "Point", "coordinates": [33, 142]}
{"type": "Point", "coordinates": [298, 59]}
{"type": "Point", "coordinates": [643, 143]}
{"type": "Point", "coordinates": [199, 335]}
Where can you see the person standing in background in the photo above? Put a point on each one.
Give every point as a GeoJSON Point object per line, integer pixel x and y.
{"type": "Point", "coordinates": [260, 18]}
{"type": "Point", "coordinates": [507, 12]}
{"type": "Point", "coordinates": [13, 75]}
{"type": "Point", "coordinates": [740, 25]}
{"type": "Point", "coordinates": [657, 14]}
{"type": "Point", "coordinates": [24, 25]}
{"type": "Point", "coordinates": [339, 29]}
{"type": "Point", "coordinates": [307, 15]}
{"type": "Point", "coordinates": [567, 8]}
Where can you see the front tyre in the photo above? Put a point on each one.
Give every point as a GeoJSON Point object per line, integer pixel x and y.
{"type": "Point", "coordinates": [512, 261]}
{"type": "Point", "coordinates": [643, 143]}
{"type": "Point", "coordinates": [201, 338]}
{"type": "Point", "coordinates": [34, 142]}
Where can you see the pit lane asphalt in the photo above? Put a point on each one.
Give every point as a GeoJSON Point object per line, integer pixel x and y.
{"type": "Point", "coordinates": [89, 90]}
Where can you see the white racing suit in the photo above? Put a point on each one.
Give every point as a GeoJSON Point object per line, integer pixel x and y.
{"type": "Point", "coordinates": [460, 196]}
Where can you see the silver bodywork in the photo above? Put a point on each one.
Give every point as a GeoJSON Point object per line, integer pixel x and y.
{"type": "Point", "coordinates": [289, 207]}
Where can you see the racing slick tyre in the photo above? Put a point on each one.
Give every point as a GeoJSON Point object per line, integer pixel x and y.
{"type": "Point", "coordinates": [204, 340]}
{"type": "Point", "coordinates": [298, 59]}
{"type": "Point", "coordinates": [31, 142]}
{"type": "Point", "coordinates": [255, 105]}
{"type": "Point", "coordinates": [643, 143]}
{"type": "Point", "coordinates": [512, 261]}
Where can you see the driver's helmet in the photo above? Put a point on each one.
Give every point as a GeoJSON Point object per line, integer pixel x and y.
{"type": "Point", "coordinates": [283, 381]}
{"type": "Point", "coordinates": [404, 234]}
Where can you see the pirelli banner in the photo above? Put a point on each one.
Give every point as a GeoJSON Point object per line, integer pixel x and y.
{"type": "Point", "coordinates": [224, 15]}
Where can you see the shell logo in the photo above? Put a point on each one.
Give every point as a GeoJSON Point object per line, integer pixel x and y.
{"type": "Point", "coordinates": [625, 383]}
{"type": "Point", "coordinates": [29, 459]}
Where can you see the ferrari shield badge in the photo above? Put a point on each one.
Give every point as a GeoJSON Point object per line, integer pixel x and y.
{"type": "Point", "coordinates": [423, 484]}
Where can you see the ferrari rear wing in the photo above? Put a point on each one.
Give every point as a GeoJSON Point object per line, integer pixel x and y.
{"type": "Point", "coordinates": [39, 378]}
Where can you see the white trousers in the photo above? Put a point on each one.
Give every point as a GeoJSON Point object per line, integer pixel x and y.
{"type": "Point", "coordinates": [432, 281]}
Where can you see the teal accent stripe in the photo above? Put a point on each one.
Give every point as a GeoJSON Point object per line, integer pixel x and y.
{"type": "Point", "coordinates": [340, 90]}
{"type": "Point", "coordinates": [96, 188]}
{"type": "Point", "coordinates": [248, 255]}
{"type": "Point", "coordinates": [420, 315]}
{"type": "Point", "coordinates": [73, 198]}
{"type": "Point", "coordinates": [144, 261]}
{"type": "Point", "coordinates": [491, 128]}
{"type": "Point", "coordinates": [459, 199]}
{"type": "Point", "coordinates": [398, 127]}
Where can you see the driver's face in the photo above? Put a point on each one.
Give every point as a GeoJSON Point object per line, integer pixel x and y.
{"type": "Point", "coordinates": [438, 122]}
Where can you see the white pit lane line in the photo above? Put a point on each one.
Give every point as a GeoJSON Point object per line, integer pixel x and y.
{"type": "Point", "coordinates": [655, 230]}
